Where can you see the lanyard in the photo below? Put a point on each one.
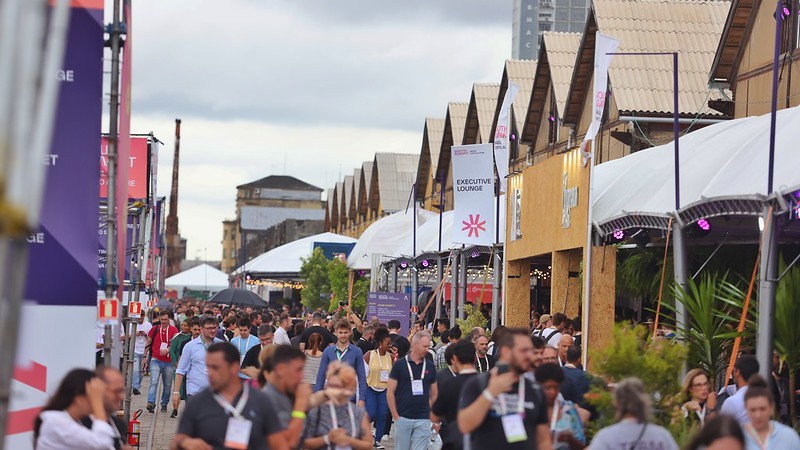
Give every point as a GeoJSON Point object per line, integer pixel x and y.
{"type": "Point", "coordinates": [451, 371]}
{"type": "Point", "coordinates": [239, 345]}
{"type": "Point", "coordinates": [340, 354]}
{"type": "Point", "coordinates": [520, 396]}
{"type": "Point", "coordinates": [554, 417]}
{"type": "Point", "coordinates": [480, 367]}
{"type": "Point", "coordinates": [335, 420]}
{"type": "Point", "coordinates": [165, 332]}
{"type": "Point", "coordinates": [380, 358]}
{"type": "Point", "coordinates": [410, 374]}
{"type": "Point", "coordinates": [235, 411]}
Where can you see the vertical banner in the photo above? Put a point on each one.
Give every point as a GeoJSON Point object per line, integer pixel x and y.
{"type": "Point", "coordinates": [603, 45]}
{"type": "Point", "coordinates": [473, 194]}
{"type": "Point", "coordinates": [501, 135]}
{"type": "Point", "coordinates": [136, 164]}
{"type": "Point", "coordinates": [124, 145]}
{"type": "Point", "coordinates": [62, 268]}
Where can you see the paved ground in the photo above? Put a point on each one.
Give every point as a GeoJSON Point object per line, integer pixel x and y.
{"type": "Point", "coordinates": [158, 429]}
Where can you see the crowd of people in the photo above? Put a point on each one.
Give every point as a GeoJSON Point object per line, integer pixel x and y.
{"type": "Point", "coordinates": [286, 379]}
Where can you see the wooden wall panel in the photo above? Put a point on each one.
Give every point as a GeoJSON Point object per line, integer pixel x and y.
{"type": "Point", "coordinates": [601, 317]}
{"type": "Point", "coordinates": [518, 294]}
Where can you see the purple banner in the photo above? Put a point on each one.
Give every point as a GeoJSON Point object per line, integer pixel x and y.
{"type": "Point", "coordinates": [63, 251]}
{"type": "Point", "coordinates": [388, 306]}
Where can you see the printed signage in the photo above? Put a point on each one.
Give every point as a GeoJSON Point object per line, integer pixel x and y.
{"type": "Point", "coordinates": [473, 194]}
{"type": "Point", "coordinates": [135, 310]}
{"type": "Point", "coordinates": [388, 306]}
{"type": "Point", "coordinates": [108, 311]}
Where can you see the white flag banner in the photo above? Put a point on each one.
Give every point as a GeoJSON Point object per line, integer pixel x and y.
{"type": "Point", "coordinates": [473, 195]}
{"type": "Point", "coordinates": [501, 135]}
{"type": "Point", "coordinates": [603, 45]}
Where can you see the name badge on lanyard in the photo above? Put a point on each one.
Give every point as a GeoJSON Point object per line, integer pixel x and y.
{"type": "Point", "coordinates": [384, 372]}
{"type": "Point", "coordinates": [335, 423]}
{"type": "Point", "coordinates": [237, 435]}
{"type": "Point", "coordinates": [513, 425]}
{"type": "Point", "coordinates": [416, 385]}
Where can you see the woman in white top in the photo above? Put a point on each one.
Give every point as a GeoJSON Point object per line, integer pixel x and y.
{"type": "Point", "coordinates": [59, 427]}
{"type": "Point", "coordinates": [313, 358]}
{"type": "Point", "coordinates": [380, 364]}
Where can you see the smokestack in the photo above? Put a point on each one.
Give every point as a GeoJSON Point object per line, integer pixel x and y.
{"type": "Point", "coordinates": [175, 250]}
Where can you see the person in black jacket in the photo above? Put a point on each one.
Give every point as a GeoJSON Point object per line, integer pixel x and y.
{"type": "Point", "coordinates": [445, 409]}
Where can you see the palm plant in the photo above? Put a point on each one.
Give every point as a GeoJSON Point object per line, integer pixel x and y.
{"type": "Point", "coordinates": [787, 331]}
{"type": "Point", "coordinates": [712, 309]}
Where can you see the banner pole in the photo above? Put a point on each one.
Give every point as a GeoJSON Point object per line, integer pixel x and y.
{"type": "Point", "coordinates": [111, 221]}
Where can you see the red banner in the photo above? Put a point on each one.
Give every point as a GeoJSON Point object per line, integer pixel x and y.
{"type": "Point", "coordinates": [136, 163]}
{"type": "Point", "coordinates": [475, 291]}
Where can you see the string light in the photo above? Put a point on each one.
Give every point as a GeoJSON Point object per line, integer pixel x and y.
{"type": "Point", "coordinates": [275, 283]}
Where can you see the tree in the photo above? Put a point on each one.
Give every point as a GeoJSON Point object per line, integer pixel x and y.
{"type": "Point", "coordinates": [632, 353]}
{"type": "Point", "coordinates": [787, 331]}
{"type": "Point", "coordinates": [317, 287]}
{"type": "Point", "coordinates": [713, 307]}
{"type": "Point", "coordinates": [473, 317]}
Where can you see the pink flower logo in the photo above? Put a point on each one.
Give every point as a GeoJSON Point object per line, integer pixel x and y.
{"type": "Point", "coordinates": [474, 225]}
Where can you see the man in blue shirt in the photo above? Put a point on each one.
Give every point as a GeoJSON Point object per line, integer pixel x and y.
{"type": "Point", "coordinates": [346, 353]}
{"type": "Point", "coordinates": [192, 365]}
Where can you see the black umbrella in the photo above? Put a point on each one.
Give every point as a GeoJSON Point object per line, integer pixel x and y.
{"type": "Point", "coordinates": [238, 297]}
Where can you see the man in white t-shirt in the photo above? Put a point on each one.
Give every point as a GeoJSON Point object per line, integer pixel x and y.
{"type": "Point", "coordinates": [746, 366]}
{"type": "Point", "coordinates": [281, 336]}
{"type": "Point", "coordinates": [142, 330]}
{"type": "Point", "coordinates": [552, 334]}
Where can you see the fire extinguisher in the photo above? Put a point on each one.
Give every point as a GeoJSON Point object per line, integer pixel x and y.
{"type": "Point", "coordinates": [134, 429]}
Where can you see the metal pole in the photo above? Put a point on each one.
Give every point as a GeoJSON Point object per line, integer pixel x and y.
{"type": "Point", "coordinates": [414, 210]}
{"type": "Point", "coordinates": [462, 282]}
{"type": "Point", "coordinates": [676, 131]}
{"type": "Point", "coordinates": [454, 267]}
{"type": "Point", "coordinates": [439, 278]}
{"type": "Point", "coordinates": [766, 293]}
{"type": "Point", "coordinates": [111, 221]}
{"type": "Point", "coordinates": [681, 268]}
{"type": "Point", "coordinates": [496, 286]}
{"type": "Point", "coordinates": [441, 207]}
{"type": "Point", "coordinates": [127, 323]}
{"type": "Point", "coordinates": [393, 277]}
{"type": "Point", "coordinates": [774, 109]}
{"type": "Point", "coordinates": [587, 265]}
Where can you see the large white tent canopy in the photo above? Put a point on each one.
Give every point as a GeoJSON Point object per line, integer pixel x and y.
{"type": "Point", "coordinates": [721, 162]}
{"type": "Point", "coordinates": [384, 237]}
{"type": "Point", "coordinates": [288, 257]}
{"type": "Point", "coordinates": [198, 278]}
{"type": "Point", "coordinates": [428, 234]}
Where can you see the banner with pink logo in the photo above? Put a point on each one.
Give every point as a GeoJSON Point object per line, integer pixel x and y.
{"type": "Point", "coordinates": [473, 194]}
{"type": "Point", "coordinates": [602, 47]}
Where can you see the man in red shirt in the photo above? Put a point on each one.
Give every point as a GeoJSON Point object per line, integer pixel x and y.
{"type": "Point", "coordinates": [160, 365]}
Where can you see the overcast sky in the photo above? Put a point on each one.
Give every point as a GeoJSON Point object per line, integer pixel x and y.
{"type": "Point", "coordinates": [308, 88]}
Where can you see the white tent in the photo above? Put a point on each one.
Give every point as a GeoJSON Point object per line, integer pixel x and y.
{"type": "Point", "coordinates": [428, 234]}
{"type": "Point", "coordinates": [722, 161]}
{"type": "Point", "coordinates": [198, 278]}
{"type": "Point", "coordinates": [286, 259]}
{"type": "Point", "coordinates": [385, 236]}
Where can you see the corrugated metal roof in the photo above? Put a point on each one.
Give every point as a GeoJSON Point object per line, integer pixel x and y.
{"type": "Point", "coordinates": [562, 48]}
{"type": "Point", "coordinates": [395, 174]}
{"type": "Point", "coordinates": [348, 196]}
{"type": "Point", "coordinates": [353, 210]}
{"type": "Point", "coordinates": [429, 155]}
{"type": "Point", "coordinates": [453, 133]}
{"type": "Point", "coordinates": [644, 83]}
{"type": "Point", "coordinates": [339, 193]}
{"type": "Point", "coordinates": [480, 114]}
{"type": "Point", "coordinates": [366, 185]}
{"type": "Point", "coordinates": [521, 72]}
{"type": "Point", "coordinates": [556, 63]}
{"type": "Point", "coordinates": [335, 204]}
{"type": "Point", "coordinates": [329, 200]}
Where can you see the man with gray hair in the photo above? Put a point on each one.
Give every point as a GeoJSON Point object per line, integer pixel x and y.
{"type": "Point", "coordinates": [412, 389]}
{"type": "Point", "coordinates": [366, 342]}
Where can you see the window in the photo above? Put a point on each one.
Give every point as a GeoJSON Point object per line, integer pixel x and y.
{"type": "Point", "coordinates": [545, 26]}
{"type": "Point", "coordinates": [233, 253]}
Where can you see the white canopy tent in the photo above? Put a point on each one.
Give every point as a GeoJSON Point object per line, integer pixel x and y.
{"type": "Point", "coordinates": [198, 278]}
{"type": "Point", "coordinates": [428, 234]}
{"type": "Point", "coordinates": [287, 258]}
{"type": "Point", "coordinates": [727, 161]}
{"type": "Point", "coordinates": [385, 236]}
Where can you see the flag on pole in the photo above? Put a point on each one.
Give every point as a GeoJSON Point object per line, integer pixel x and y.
{"type": "Point", "coordinates": [124, 149]}
{"type": "Point", "coordinates": [603, 45]}
{"type": "Point", "coordinates": [501, 135]}
{"type": "Point", "coordinates": [473, 194]}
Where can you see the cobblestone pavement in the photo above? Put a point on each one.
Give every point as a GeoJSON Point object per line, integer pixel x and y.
{"type": "Point", "coordinates": [158, 428]}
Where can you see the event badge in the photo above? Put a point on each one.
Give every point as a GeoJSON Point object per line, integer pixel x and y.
{"type": "Point", "coordinates": [164, 348]}
{"type": "Point", "coordinates": [238, 434]}
{"type": "Point", "coordinates": [416, 387]}
{"type": "Point", "coordinates": [514, 428]}
{"type": "Point", "coordinates": [384, 376]}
